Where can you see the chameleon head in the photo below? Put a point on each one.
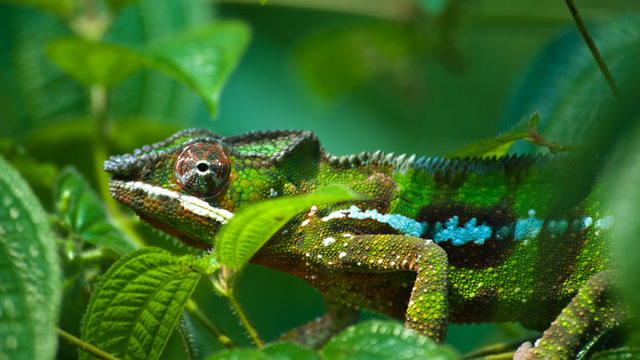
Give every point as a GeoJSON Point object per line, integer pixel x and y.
{"type": "Point", "coordinates": [190, 184]}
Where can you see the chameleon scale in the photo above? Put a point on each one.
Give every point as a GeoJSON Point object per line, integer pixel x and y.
{"type": "Point", "coordinates": [436, 241]}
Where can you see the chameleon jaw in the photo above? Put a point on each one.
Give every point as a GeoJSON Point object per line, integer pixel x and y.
{"type": "Point", "coordinates": [188, 218]}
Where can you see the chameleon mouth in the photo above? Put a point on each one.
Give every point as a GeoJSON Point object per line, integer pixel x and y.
{"type": "Point", "coordinates": [136, 193]}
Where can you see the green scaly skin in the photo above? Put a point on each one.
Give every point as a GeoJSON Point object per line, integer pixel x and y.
{"type": "Point", "coordinates": [502, 249]}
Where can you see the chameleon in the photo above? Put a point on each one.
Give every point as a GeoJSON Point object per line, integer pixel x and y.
{"type": "Point", "coordinates": [434, 241]}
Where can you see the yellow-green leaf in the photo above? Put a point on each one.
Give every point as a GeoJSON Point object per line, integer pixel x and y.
{"type": "Point", "coordinates": [252, 226]}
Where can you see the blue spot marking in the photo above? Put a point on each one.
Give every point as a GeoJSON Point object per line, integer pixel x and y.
{"type": "Point", "coordinates": [557, 227]}
{"type": "Point", "coordinates": [604, 223]}
{"type": "Point", "coordinates": [401, 223]}
{"type": "Point", "coordinates": [528, 228]}
{"type": "Point", "coordinates": [461, 235]}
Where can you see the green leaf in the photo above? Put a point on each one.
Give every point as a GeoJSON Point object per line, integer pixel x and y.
{"type": "Point", "coordinates": [29, 273]}
{"type": "Point", "coordinates": [565, 84]}
{"type": "Point", "coordinates": [488, 148]}
{"type": "Point", "coordinates": [624, 202]}
{"type": "Point", "coordinates": [93, 62]}
{"type": "Point", "coordinates": [253, 225]}
{"type": "Point", "coordinates": [137, 303]}
{"type": "Point", "coordinates": [617, 354]}
{"type": "Point", "coordinates": [384, 340]}
{"type": "Point", "coordinates": [62, 8]}
{"type": "Point", "coordinates": [201, 58]}
{"type": "Point", "coordinates": [285, 351]}
{"type": "Point", "coordinates": [82, 213]}
{"type": "Point", "coordinates": [280, 351]}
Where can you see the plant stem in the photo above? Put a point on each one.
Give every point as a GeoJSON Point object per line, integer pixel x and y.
{"type": "Point", "coordinates": [594, 49]}
{"type": "Point", "coordinates": [195, 311]}
{"type": "Point", "coordinates": [84, 346]}
{"type": "Point", "coordinates": [244, 319]}
{"type": "Point", "coordinates": [227, 286]}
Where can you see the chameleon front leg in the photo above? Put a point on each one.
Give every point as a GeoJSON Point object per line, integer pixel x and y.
{"type": "Point", "coordinates": [595, 310]}
{"type": "Point", "coordinates": [427, 310]}
{"type": "Point", "coordinates": [316, 333]}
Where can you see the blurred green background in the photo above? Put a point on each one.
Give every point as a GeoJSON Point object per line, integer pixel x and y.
{"type": "Point", "coordinates": [424, 77]}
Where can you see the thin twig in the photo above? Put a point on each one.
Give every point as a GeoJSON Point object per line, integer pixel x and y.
{"type": "Point", "coordinates": [594, 49]}
{"type": "Point", "coordinates": [84, 346]}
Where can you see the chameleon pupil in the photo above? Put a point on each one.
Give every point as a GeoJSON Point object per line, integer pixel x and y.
{"type": "Point", "coordinates": [202, 169]}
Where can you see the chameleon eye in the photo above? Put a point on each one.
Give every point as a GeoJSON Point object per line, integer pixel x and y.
{"type": "Point", "coordinates": [202, 169]}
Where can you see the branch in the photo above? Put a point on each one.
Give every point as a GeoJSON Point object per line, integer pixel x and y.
{"type": "Point", "coordinates": [594, 49]}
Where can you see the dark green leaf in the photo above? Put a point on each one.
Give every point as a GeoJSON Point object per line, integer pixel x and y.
{"type": "Point", "coordinates": [29, 273]}
{"type": "Point", "coordinates": [253, 225]}
{"type": "Point", "coordinates": [93, 62]}
{"type": "Point", "coordinates": [624, 202]}
{"type": "Point", "coordinates": [617, 354]}
{"type": "Point", "coordinates": [137, 303]}
{"type": "Point", "coordinates": [566, 86]}
{"type": "Point", "coordinates": [82, 212]}
{"type": "Point", "coordinates": [384, 340]}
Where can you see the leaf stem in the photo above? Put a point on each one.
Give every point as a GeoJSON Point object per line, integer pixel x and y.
{"type": "Point", "coordinates": [226, 283]}
{"type": "Point", "coordinates": [231, 295]}
{"type": "Point", "coordinates": [594, 49]}
{"type": "Point", "coordinates": [194, 310]}
{"type": "Point", "coordinates": [84, 346]}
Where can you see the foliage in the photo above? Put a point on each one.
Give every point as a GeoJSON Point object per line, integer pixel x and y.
{"type": "Point", "coordinates": [89, 78]}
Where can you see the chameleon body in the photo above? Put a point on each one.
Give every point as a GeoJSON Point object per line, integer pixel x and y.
{"type": "Point", "coordinates": [435, 242]}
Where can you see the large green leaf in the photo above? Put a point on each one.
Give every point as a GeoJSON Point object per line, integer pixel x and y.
{"type": "Point", "coordinates": [565, 85]}
{"type": "Point", "coordinates": [201, 58]}
{"type": "Point", "coordinates": [83, 214]}
{"type": "Point", "coordinates": [252, 226]}
{"type": "Point", "coordinates": [137, 303]}
{"type": "Point", "coordinates": [624, 201]}
{"type": "Point", "coordinates": [384, 340]}
{"type": "Point", "coordinates": [29, 273]}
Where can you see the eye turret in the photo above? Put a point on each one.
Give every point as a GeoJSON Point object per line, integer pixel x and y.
{"type": "Point", "coordinates": [202, 169]}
